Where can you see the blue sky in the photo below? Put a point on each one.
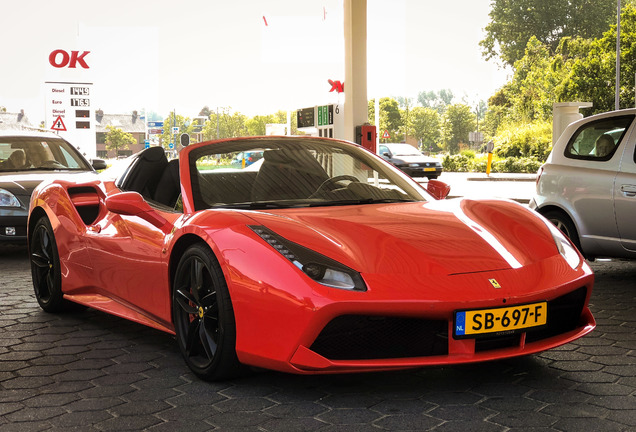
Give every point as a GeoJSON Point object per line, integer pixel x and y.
{"type": "Point", "coordinates": [256, 56]}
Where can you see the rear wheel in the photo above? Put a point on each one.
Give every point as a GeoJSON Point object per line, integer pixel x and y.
{"type": "Point", "coordinates": [563, 222]}
{"type": "Point", "coordinates": [203, 316]}
{"type": "Point", "coordinates": [45, 268]}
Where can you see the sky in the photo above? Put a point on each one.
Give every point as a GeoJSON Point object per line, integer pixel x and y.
{"type": "Point", "coordinates": [254, 56]}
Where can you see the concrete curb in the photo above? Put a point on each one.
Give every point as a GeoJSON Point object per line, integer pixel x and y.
{"type": "Point", "coordinates": [505, 177]}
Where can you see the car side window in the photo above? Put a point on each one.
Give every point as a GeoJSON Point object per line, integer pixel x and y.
{"type": "Point", "coordinates": [598, 140]}
{"type": "Point", "coordinates": [384, 149]}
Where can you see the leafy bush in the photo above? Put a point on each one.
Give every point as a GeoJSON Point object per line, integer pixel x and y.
{"type": "Point", "coordinates": [517, 165]}
{"type": "Point", "coordinates": [461, 163]}
{"type": "Point", "coordinates": [530, 140]}
{"type": "Point", "coordinates": [457, 163]}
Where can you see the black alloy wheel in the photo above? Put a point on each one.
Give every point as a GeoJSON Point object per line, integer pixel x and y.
{"type": "Point", "coordinates": [203, 315]}
{"type": "Point", "coordinates": [45, 268]}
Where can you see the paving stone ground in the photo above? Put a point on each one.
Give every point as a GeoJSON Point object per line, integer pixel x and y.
{"type": "Point", "coordinates": [89, 371]}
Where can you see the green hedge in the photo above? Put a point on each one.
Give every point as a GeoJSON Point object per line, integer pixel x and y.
{"type": "Point", "coordinates": [463, 163]}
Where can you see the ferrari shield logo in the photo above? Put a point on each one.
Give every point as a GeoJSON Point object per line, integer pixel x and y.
{"type": "Point", "coordinates": [494, 283]}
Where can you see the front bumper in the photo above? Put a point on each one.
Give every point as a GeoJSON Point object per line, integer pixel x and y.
{"type": "Point", "coordinates": [386, 329]}
{"type": "Point", "coordinates": [430, 342]}
{"type": "Point", "coordinates": [422, 171]}
{"type": "Point", "coordinates": [13, 227]}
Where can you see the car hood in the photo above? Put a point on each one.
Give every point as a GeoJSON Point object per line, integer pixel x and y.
{"type": "Point", "coordinates": [25, 183]}
{"type": "Point", "coordinates": [437, 238]}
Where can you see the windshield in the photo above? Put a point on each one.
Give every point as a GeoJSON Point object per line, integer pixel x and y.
{"type": "Point", "coordinates": [39, 153]}
{"type": "Point", "coordinates": [403, 150]}
{"type": "Point", "coordinates": [294, 172]}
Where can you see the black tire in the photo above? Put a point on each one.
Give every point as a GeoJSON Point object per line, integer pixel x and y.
{"type": "Point", "coordinates": [203, 316]}
{"type": "Point", "coordinates": [45, 268]}
{"type": "Point", "coordinates": [563, 222]}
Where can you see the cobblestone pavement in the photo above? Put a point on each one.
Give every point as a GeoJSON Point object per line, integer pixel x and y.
{"type": "Point", "coordinates": [92, 372]}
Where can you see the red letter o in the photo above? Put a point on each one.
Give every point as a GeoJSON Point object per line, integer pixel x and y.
{"type": "Point", "coordinates": [53, 57]}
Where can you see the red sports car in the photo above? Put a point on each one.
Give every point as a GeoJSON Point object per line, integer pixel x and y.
{"type": "Point", "coordinates": [320, 257]}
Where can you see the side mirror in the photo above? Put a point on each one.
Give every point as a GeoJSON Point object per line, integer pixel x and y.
{"type": "Point", "coordinates": [98, 164]}
{"type": "Point", "coordinates": [387, 155]}
{"type": "Point", "coordinates": [133, 204]}
{"type": "Point", "coordinates": [438, 189]}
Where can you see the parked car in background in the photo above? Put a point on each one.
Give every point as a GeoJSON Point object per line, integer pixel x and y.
{"type": "Point", "coordinates": [587, 187]}
{"type": "Point", "coordinates": [245, 159]}
{"type": "Point", "coordinates": [26, 159]}
{"type": "Point", "coordinates": [410, 160]}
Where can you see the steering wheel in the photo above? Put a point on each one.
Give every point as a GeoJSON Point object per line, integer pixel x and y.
{"type": "Point", "coordinates": [51, 164]}
{"type": "Point", "coordinates": [332, 181]}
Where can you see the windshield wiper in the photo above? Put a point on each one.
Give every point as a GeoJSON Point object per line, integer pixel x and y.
{"type": "Point", "coordinates": [263, 205]}
{"type": "Point", "coordinates": [260, 205]}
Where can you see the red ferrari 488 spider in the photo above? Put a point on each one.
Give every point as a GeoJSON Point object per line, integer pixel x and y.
{"type": "Point", "coordinates": [318, 257]}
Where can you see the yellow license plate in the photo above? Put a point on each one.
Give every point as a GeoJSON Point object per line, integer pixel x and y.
{"type": "Point", "coordinates": [473, 323]}
{"type": "Point", "coordinates": [429, 169]}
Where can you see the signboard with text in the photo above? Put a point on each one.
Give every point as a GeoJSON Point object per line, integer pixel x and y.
{"type": "Point", "coordinates": [70, 113]}
{"type": "Point", "coordinates": [323, 120]}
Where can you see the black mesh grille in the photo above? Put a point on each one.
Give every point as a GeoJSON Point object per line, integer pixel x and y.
{"type": "Point", "coordinates": [564, 315]}
{"type": "Point", "coordinates": [361, 337]}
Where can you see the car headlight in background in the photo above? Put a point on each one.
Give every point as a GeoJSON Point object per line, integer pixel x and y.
{"type": "Point", "coordinates": [7, 199]}
{"type": "Point", "coordinates": [318, 267]}
{"type": "Point", "coordinates": [565, 247]}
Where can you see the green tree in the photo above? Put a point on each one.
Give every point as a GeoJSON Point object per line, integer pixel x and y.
{"type": "Point", "coordinates": [514, 22]}
{"type": "Point", "coordinates": [183, 123]}
{"type": "Point", "coordinates": [438, 100]}
{"type": "Point", "coordinates": [230, 124]}
{"type": "Point", "coordinates": [390, 118]}
{"type": "Point", "coordinates": [579, 70]}
{"type": "Point", "coordinates": [205, 112]}
{"type": "Point", "coordinates": [426, 127]}
{"type": "Point", "coordinates": [117, 139]}
{"type": "Point", "coordinates": [531, 88]}
{"type": "Point", "coordinates": [591, 67]}
{"type": "Point", "coordinates": [257, 125]}
{"type": "Point", "coordinates": [457, 122]}
{"type": "Point", "coordinates": [406, 127]}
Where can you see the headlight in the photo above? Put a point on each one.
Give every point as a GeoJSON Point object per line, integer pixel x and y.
{"type": "Point", "coordinates": [567, 251]}
{"type": "Point", "coordinates": [318, 267]}
{"type": "Point", "coordinates": [7, 199]}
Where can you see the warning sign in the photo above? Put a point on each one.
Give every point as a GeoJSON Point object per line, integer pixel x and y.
{"type": "Point", "coordinates": [58, 124]}
{"type": "Point", "coordinates": [386, 134]}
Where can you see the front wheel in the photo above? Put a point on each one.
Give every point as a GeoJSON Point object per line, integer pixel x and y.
{"type": "Point", "coordinates": [203, 316]}
{"type": "Point", "coordinates": [45, 268]}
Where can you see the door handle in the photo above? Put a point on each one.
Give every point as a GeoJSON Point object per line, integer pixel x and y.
{"type": "Point", "coordinates": [629, 190]}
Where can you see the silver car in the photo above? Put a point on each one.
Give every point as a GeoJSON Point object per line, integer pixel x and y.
{"type": "Point", "coordinates": [587, 187]}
